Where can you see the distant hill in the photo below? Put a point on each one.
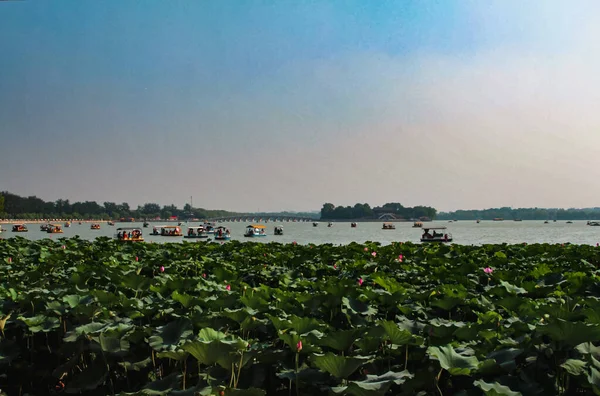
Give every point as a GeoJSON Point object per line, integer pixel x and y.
{"type": "Point", "coordinates": [509, 213]}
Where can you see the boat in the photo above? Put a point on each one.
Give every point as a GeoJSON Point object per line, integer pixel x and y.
{"type": "Point", "coordinates": [498, 219]}
{"type": "Point", "coordinates": [353, 225]}
{"type": "Point", "coordinates": [222, 234]}
{"type": "Point", "coordinates": [330, 224]}
{"type": "Point", "coordinates": [146, 224]}
{"type": "Point", "coordinates": [44, 227]}
{"type": "Point", "coordinates": [19, 228]}
{"type": "Point", "coordinates": [129, 234]}
{"type": "Point", "coordinates": [315, 224]}
{"type": "Point", "coordinates": [156, 230]}
{"type": "Point", "coordinates": [255, 230]}
{"type": "Point", "coordinates": [388, 226]}
{"type": "Point", "coordinates": [278, 230]}
{"type": "Point", "coordinates": [478, 221]}
{"type": "Point", "coordinates": [593, 223]}
{"type": "Point", "coordinates": [546, 222]}
{"type": "Point", "coordinates": [67, 224]}
{"type": "Point", "coordinates": [209, 228]}
{"type": "Point", "coordinates": [171, 231]}
{"type": "Point", "coordinates": [95, 226]}
{"type": "Point", "coordinates": [518, 220]}
{"type": "Point", "coordinates": [417, 224]}
{"type": "Point", "coordinates": [196, 233]}
{"type": "Point", "coordinates": [554, 221]}
{"type": "Point", "coordinates": [569, 222]}
{"type": "Point", "coordinates": [110, 223]}
{"type": "Point", "coordinates": [54, 229]}
{"type": "Point", "coordinates": [435, 237]}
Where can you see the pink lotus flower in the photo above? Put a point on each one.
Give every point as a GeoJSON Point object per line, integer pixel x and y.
{"type": "Point", "coordinates": [366, 249]}
{"type": "Point", "coordinates": [299, 346]}
{"type": "Point", "coordinates": [10, 260]}
{"type": "Point", "coordinates": [334, 266]}
{"type": "Point", "coordinates": [265, 254]}
{"type": "Point", "coordinates": [204, 275]}
{"type": "Point", "coordinates": [360, 281]}
{"type": "Point", "coordinates": [136, 258]}
{"type": "Point", "coordinates": [374, 254]}
{"type": "Point", "coordinates": [64, 247]}
{"type": "Point", "coordinates": [294, 243]}
{"type": "Point", "coordinates": [162, 268]}
{"type": "Point", "coordinates": [228, 288]}
{"type": "Point", "coordinates": [488, 270]}
{"type": "Point", "coordinates": [400, 258]}
{"type": "Point", "coordinates": [597, 244]}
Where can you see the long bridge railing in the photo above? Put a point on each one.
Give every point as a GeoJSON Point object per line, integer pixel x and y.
{"type": "Point", "coordinates": [259, 219]}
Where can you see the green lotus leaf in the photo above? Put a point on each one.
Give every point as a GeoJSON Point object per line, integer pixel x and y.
{"type": "Point", "coordinates": [41, 323]}
{"type": "Point", "coordinates": [93, 328]}
{"type": "Point", "coordinates": [185, 299]}
{"type": "Point", "coordinates": [341, 340]}
{"type": "Point", "coordinates": [113, 345]}
{"type": "Point", "coordinates": [239, 315]}
{"type": "Point", "coordinates": [570, 333]}
{"type": "Point", "coordinates": [374, 385]}
{"type": "Point", "coordinates": [575, 367]}
{"type": "Point", "coordinates": [136, 366]}
{"type": "Point", "coordinates": [174, 355]}
{"type": "Point", "coordinates": [512, 289]}
{"type": "Point", "coordinates": [339, 366]}
{"type": "Point", "coordinates": [208, 334]}
{"type": "Point", "coordinates": [304, 325]}
{"type": "Point", "coordinates": [495, 389]}
{"type": "Point", "coordinates": [159, 387]}
{"type": "Point", "coordinates": [245, 392]}
{"type": "Point", "coordinates": [451, 361]}
{"type": "Point", "coordinates": [396, 335]}
{"type": "Point", "coordinates": [305, 374]}
{"type": "Point", "coordinates": [170, 336]}
{"type": "Point", "coordinates": [212, 352]}
{"type": "Point", "coordinates": [291, 341]}
{"type": "Point", "coordinates": [75, 300]}
{"type": "Point", "coordinates": [358, 307]}
{"type": "Point", "coordinates": [505, 358]}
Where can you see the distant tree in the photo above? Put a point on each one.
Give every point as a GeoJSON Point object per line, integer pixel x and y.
{"type": "Point", "coordinates": [1, 203]}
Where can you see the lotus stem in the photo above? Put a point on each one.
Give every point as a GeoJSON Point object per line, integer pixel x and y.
{"type": "Point", "coordinates": [406, 358]}
{"type": "Point", "coordinates": [237, 380]}
{"type": "Point", "coordinates": [437, 381]}
{"type": "Point", "coordinates": [297, 364]}
{"type": "Point", "coordinates": [184, 371]}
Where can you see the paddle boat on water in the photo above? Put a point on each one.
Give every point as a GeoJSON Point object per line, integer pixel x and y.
{"type": "Point", "coordinates": [222, 234]}
{"type": "Point", "coordinates": [498, 219]}
{"type": "Point", "coordinates": [278, 230]}
{"type": "Point", "coordinates": [54, 229]}
{"type": "Point", "coordinates": [593, 223]}
{"type": "Point", "coordinates": [255, 230]}
{"type": "Point", "coordinates": [330, 224]}
{"type": "Point", "coordinates": [146, 224]}
{"type": "Point", "coordinates": [110, 223]}
{"type": "Point", "coordinates": [417, 224]}
{"type": "Point", "coordinates": [388, 226]}
{"type": "Point", "coordinates": [156, 230]}
{"type": "Point", "coordinates": [67, 224]}
{"type": "Point", "coordinates": [44, 227]}
{"type": "Point", "coordinates": [569, 222]}
{"type": "Point", "coordinates": [196, 233]}
{"type": "Point", "coordinates": [171, 231]}
{"type": "Point", "coordinates": [129, 234]}
{"type": "Point", "coordinates": [19, 228]}
{"type": "Point", "coordinates": [435, 236]}
{"type": "Point", "coordinates": [315, 224]}
{"type": "Point", "coordinates": [95, 226]}
{"type": "Point", "coordinates": [209, 228]}
{"type": "Point", "coordinates": [546, 222]}
{"type": "Point", "coordinates": [478, 221]}
{"type": "Point", "coordinates": [352, 225]}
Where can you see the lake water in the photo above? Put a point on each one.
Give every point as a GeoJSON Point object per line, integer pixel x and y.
{"type": "Point", "coordinates": [464, 232]}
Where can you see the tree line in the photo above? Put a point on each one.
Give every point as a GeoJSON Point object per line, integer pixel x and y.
{"type": "Point", "coordinates": [32, 207]}
{"type": "Point", "coordinates": [509, 213]}
{"type": "Point", "coordinates": [364, 211]}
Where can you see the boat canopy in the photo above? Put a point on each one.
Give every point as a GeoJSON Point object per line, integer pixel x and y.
{"type": "Point", "coordinates": [388, 223]}
{"type": "Point", "coordinates": [128, 228]}
{"type": "Point", "coordinates": [434, 228]}
{"type": "Point", "coordinates": [256, 226]}
{"type": "Point", "coordinates": [174, 227]}
{"type": "Point", "coordinates": [196, 227]}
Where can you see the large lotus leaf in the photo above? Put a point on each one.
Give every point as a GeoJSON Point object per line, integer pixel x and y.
{"type": "Point", "coordinates": [495, 389]}
{"type": "Point", "coordinates": [307, 342]}
{"type": "Point", "coordinates": [207, 334]}
{"type": "Point", "coordinates": [175, 355]}
{"type": "Point", "coordinates": [304, 325]}
{"type": "Point", "coordinates": [245, 392]}
{"type": "Point", "coordinates": [238, 315]}
{"type": "Point", "coordinates": [358, 307]}
{"type": "Point", "coordinates": [512, 289]}
{"type": "Point", "coordinates": [369, 345]}
{"type": "Point", "coordinates": [389, 284]}
{"type": "Point", "coordinates": [8, 351]}
{"type": "Point", "coordinates": [113, 345]}
{"type": "Point", "coordinates": [211, 352]}
{"type": "Point", "coordinates": [41, 323]}
{"type": "Point", "coordinates": [396, 335]}
{"type": "Point", "coordinates": [338, 366]}
{"type": "Point", "coordinates": [158, 387]}
{"type": "Point", "coordinates": [446, 302]}
{"type": "Point", "coordinates": [341, 340]}
{"type": "Point", "coordinates": [374, 385]}
{"type": "Point", "coordinates": [185, 299]}
{"type": "Point", "coordinates": [570, 333]}
{"type": "Point", "coordinates": [75, 299]}
{"type": "Point", "coordinates": [89, 379]}
{"type": "Point", "coordinates": [136, 366]}
{"type": "Point", "coordinates": [575, 367]}
{"type": "Point", "coordinates": [169, 336]}
{"type": "Point", "coordinates": [134, 281]}
{"type": "Point", "coordinates": [587, 348]}
{"type": "Point", "coordinates": [453, 362]}
{"type": "Point", "coordinates": [505, 358]}
{"type": "Point", "coordinates": [93, 328]}
{"type": "Point", "coordinates": [413, 326]}
{"type": "Point", "coordinates": [305, 374]}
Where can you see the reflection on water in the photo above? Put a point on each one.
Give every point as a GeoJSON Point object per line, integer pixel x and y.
{"type": "Point", "coordinates": [464, 232]}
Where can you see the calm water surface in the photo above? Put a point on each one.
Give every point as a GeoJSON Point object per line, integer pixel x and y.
{"type": "Point", "coordinates": [464, 232]}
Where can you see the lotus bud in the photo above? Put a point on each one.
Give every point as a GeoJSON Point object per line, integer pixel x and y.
{"type": "Point", "coordinates": [294, 243]}
{"type": "Point", "coordinates": [299, 346]}
{"type": "Point", "coordinates": [366, 249]}
{"type": "Point", "coordinates": [228, 288]}
{"type": "Point", "coordinates": [10, 260]}
{"type": "Point", "coordinates": [136, 258]}
{"type": "Point", "coordinates": [64, 247]}
{"type": "Point", "coordinates": [162, 268]}
{"type": "Point", "coordinates": [360, 281]}
{"type": "Point", "coordinates": [374, 254]}
{"type": "Point", "coordinates": [400, 258]}
{"type": "Point", "coordinates": [334, 266]}
{"type": "Point", "coordinates": [488, 270]}
{"type": "Point", "coordinates": [245, 287]}
{"type": "Point", "coordinates": [204, 275]}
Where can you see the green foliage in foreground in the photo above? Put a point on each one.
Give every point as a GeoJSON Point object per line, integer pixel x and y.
{"type": "Point", "coordinates": [99, 318]}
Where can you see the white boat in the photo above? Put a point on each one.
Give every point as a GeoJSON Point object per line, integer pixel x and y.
{"type": "Point", "coordinates": [255, 230]}
{"type": "Point", "coordinates": [435, 236]}
{"type": "Point", "coordinates": [196, 233]}
{"type": "Point", "coordinates": [278, 230]}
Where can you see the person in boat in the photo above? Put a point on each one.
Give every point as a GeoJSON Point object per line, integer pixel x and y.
{"type": "Point", "coordinates": [119, 235]}
{"type": "Point", "coordinates": [190, 231]}
{"type": "Point", "coordinates": [427, 235]}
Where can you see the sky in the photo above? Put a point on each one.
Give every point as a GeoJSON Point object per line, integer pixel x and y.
{"type": "Point", "coordinates": [285, 105]}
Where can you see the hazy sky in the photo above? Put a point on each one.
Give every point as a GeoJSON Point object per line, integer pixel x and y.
{"type": "Point", "coordinates": [285, 105]}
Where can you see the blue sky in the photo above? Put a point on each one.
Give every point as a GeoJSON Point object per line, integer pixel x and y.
{"type": "Point", "coordinates": [283, 105]}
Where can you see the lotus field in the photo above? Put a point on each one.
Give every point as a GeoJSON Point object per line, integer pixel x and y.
{"type": "Point", "coordinates": [103, 318]}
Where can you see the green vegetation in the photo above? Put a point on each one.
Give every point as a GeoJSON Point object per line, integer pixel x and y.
{"type": "Point", "coordinates": [31, 208]}
{"type": "Point", "coordinates": [364, 211]}
{"type": "Point", "coordinates": [523, 214]}
{"type": "Point", "coordinates": [102, 318]}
